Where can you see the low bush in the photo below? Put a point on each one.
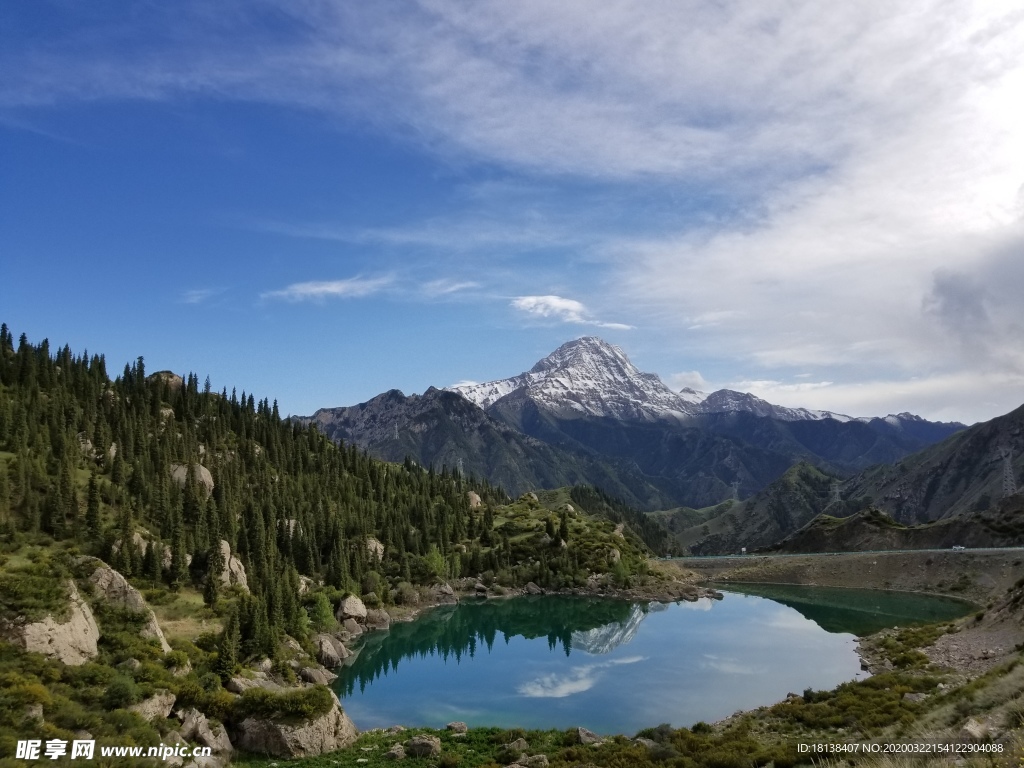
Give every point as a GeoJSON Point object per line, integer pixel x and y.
{"type": "Point", "coordinates": [301, 704]}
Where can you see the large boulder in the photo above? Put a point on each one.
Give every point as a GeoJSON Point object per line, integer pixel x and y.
{"type": "Point", "coordinates": [157, 706]}
{"type": "Point", "coordinates": [326, 733]}
{"type": "Point", "coordinates": [200, 475]}
{"type": "Point", "coordinates": [330, 651]}
{"type": "Point", "coordinates": [423, 746]}
{"type": "Point", "coordinates": [195, 727]}
{"type": "Point", "coordinates": [351, 608]}
{"type": "Point", "coordinates": [234, 571]}
{"type": "Point", "coordinates": [72, 641]}
{"type": "Point", "coordinates": [377, 618]}
{"type": "Point", "coordinates": [353, 628]}
{"type": "Point", "coordinates": [317, 675]}
{"type": "Point", "coordinates": [111, 586]}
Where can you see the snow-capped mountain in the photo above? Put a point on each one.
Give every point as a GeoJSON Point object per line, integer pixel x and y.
{"type": "Point", "coordinates": [728, 401]}
{"type": "Point", "coordinates": [609, 637]}
{"type": "Point", "coordinates": [591, 377]}
{"type": "Point", "coordinates": [586, 415]}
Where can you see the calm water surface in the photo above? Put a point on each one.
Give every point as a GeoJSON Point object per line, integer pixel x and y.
{"type": "Point", "coordinates": [612, 666]}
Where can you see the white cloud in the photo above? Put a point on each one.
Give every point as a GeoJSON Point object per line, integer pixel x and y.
{"type": "Point", "coordinates": [354, 287]}
{"type": "Point", "coordinates": [562, 309]}
{"type": "Point", "coordinates": [447, 286]}
{"type": "Point", "coordinates": [198, 295]}
{"type": "Point", "coordinates": [870, 153]}
{"type": "Point", "coordinates": [729, 666]}
{"type": "Point", "coordinates": [577, 680]}
{"type": "Point", "coordinates": [688, 379]}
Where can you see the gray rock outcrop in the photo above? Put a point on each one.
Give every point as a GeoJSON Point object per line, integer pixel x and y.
{"type": "Point", "coordinates": [351, 608]}
{"type": "Point", "coordinates": [583, 736]}
{"type": "Point", "coordinates": [374, 548]}
{"type": "Point", "coordinates": [234, 571]}
{"type": "Point", "coordinates": [317, 675]}
{"type": "Point", "coordinates": [111, 586]}
{"type": "Point", "coordinates": [397, 752]}
{"type": "Point", "coordinates": [159, 705]}
{"type": "Point", "coordinates": [377, 618]}
{"type": "Point", "coordinates": [352, 627]}
{"type": "Point", "coordinates": [72, 641]}
{"type": "Point", "coordinates": [330, 651]}
{"type": "Point", "coordinates": [195, 727]}
{"type": "Point", "coordinates": [423, 746]}
{"type": "Point", "coordinates": [326, 733]}
{"type": "Point", "coordinates": [200, 475]}
{"type": "Point", "coordinates": [240, 685]}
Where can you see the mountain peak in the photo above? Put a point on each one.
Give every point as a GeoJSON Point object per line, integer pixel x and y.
{"type": "Point", "coordinates": [587, 351]}
{"type": "Point", "coordinates": [586, 376]}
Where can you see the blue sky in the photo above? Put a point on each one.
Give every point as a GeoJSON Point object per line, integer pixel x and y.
{"type": "Point", "coordinates": [318, 201]}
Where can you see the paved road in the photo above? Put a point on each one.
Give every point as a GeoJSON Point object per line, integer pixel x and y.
{"type": "Point", "coordinates": [755, 555]}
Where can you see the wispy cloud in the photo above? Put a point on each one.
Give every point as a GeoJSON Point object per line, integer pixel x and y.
{"type": "Point", "coordinates": [870, 155]}
{"type": "Point", "coordinates": [577, 680]}
{"type": "Point", "coordinates": [351, 288]}
{"type": "Point", "coordinates": [448, 286]}
{"type": "Point", "coordinates": [563, 310]}
{"type": "Point", "coordinates": [198, 295]}
{"type": "Point", "coordinates": [729, 666]}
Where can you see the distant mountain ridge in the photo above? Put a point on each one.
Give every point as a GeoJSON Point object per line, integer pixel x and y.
{"type": "Point", "coordinates": [965, 489]}
{"type": "Point", "coordinates": [589, 376]}
{"type": "Point", "coordinates": [586, 414]}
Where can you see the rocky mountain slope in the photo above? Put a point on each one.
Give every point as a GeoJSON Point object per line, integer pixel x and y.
{"type": "Point", "coordinates": [966, 473]}
{"type": "Point", "coordinates": [872, 530]}
{"type": "Point", "coordinates": [961, 491]}
{"type": "Point", "coordinates": [586, 414]}
{"type": "Point", "coordinates": [440, 428]}
{"type": "Point", "coordinates": [787, 504]}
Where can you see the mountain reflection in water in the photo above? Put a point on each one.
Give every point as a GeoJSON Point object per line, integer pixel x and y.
{"type": "Point", "coordinates": [858, 611]}
{"type": "Point", "coordinates": [611, 666]}
{"type": "Point", "coordinates": [594, 625]}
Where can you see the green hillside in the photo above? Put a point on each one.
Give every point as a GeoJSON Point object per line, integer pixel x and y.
{"type": "Point", "coordinates": [150, 472]}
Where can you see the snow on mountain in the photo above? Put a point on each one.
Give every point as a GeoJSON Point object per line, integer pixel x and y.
{"type": "Point", "coordinates": [728, 400]}
{"type": "Point", "coordinates": [589, 376]}
{"type": "Point", "coordinates": [606, 639]}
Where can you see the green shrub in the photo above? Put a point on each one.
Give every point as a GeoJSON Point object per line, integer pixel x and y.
{"type": "Point", "coordinates": [121, 693]}
{"type": "Point", "coordinates": [301, 704]}
{"type": "Point", "coordinates": [406, 594]}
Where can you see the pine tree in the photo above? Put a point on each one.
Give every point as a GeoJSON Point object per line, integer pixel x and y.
{"type": "Point", "coordinates": [125, 543]}
{"type": "Point", "coordinates": [151, 561]}
{"type": "Point", "coordinates": [228, 648]}
{"type": "Point", "coordinates": [92, 510]}
{"type": "Point", "coordinates": [214, 569]}
{"type": "Point", "coordinates": [53, 512]}
{"type": "Point", "coordinates": [179, 564]}
{"type": "Point", "coordinates": [320, 614]}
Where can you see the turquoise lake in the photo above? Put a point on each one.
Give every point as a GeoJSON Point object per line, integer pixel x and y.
{"type": "Point", "coordinates": [615, 666]}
